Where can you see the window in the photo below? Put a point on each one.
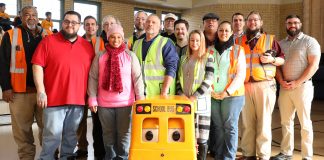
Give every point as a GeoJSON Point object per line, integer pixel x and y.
{"type": "Point", "coordinates": [55, 7]}
{"type": "Point", "coordinates": [84, 8]}
{"type": "Point", "coordinates": [165, 13]}
{"type": "Point", "coordinates": [148, 11]}
{"type": "Point", "coordinates": [11, 7]}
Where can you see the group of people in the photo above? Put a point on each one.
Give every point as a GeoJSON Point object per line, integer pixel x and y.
{"type": "Point", "coordinates": [225, 70]}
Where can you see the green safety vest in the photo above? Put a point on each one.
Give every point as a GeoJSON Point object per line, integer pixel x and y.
{"type": "Point", "coordinates": [199, 73]}
{"type": "Point", "coordinates": [152, 67]}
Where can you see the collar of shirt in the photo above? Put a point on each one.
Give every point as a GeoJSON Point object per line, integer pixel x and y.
{"type": "Point", "coordinates": [238, 35]}
{"type": "Point", "coordinates": [135, 36]}
{"type": "Point", "coordinates": [151, 39]}
{"type": "Point", "coordinates": [38, 31]}
{"type": "Point", "coordinates": [181, 47]}
{"type": "Point", "coordinates": [299, 36]}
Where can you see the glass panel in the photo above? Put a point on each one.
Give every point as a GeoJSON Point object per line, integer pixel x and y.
{"type": "Point", "coordinates": [84, 9]}
{"type": "Point", "coordinates": [162, 19]}
{"type": "Point", "coordinates": [11, 7]}
{"type": "Point", "coordinates": [56, 25]}
{"type": "Point", "coordinates": [43, 6]}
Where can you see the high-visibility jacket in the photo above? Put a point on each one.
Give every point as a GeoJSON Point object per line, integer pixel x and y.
{"type": "Point", "coordinates": [98, 44]}
{"type": "Point", "coordinates": [255, 70]}
{"type": "Point", "coordinates": [18, 65]}
{"type": "Point", "coordinates": [234, 54]}
{"type": "Point", "coordinates": [130, 42]}
{"type": "Point", "coordinates": [152, 67]}
{"type": "Point", "coordinates": [199, 73]}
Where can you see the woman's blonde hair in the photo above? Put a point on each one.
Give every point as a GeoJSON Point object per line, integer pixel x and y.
{"type": "Point", "coordinates": [202, 48]}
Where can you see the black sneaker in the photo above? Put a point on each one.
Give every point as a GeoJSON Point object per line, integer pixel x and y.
{"type": "Point", "coordinates": [81, 154]}
{"type": "Point", "coordinates": [281, 156]}
{"type": "Point", "coordinates": [56, 154]}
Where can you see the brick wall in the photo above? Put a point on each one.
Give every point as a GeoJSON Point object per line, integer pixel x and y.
{"type": "Point", "coordinates": [285, 10]}
{"type": "Point", "coordinates": [273, 15]}
{"type": "Point", "coordinates": [26, 2]}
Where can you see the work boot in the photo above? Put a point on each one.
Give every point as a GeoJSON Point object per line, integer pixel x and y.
{"type": "Point", "coordinates": [202, 151]}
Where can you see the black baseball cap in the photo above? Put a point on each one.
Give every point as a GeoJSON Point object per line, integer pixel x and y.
{"type": "Point", "coordinates": [210, 16]}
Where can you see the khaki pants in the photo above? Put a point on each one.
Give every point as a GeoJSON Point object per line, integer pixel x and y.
{"type": "Point", "coordinates": [291, 101]}
{"type": "Point", "coordinates": [23, 110]}
{"type": "Point", "coordinates": [260, 99]}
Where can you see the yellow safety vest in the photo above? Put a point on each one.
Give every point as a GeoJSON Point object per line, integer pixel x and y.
{"type": "Point", "coordinates": [152, 68]}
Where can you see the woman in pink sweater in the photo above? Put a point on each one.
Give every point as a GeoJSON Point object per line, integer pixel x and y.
{"type": "Point", "coordinates": [115, 82]}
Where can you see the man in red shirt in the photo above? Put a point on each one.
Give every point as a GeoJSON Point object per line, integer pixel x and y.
{"type": "Point", "coordinates": [61, 65]}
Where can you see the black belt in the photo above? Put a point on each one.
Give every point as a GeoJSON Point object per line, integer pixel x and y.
{"type": "Point", "coordinates": [304, 81]}
{"type": "Point", "coordinates": [307, 80]}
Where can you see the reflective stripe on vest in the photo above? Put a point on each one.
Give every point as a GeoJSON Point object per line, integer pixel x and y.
{"type": "Point", "coordinates": [14, 42]}
{"type": "Point", "coordinates": [97, 44]}
{"type": "Point", "coordinates": [234, 54]}
{"type": "Point", "coordinates": [254, 68]}
{"type": "Point", "coordinates": [152, 68]}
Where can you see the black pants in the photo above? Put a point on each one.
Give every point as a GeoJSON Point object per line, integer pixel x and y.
{"type": "Point", "coordinates": [98, 145]}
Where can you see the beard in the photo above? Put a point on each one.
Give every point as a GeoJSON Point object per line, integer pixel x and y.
{"type": "Point", "coordinates": [68, 35]}
{"type": "Point", "coordinates": [252, 32]}
{"type": "Point", "coordinates": [31, 26]}
{"type": "Point", "coordinates": [139, 29]}
{"type": "Point", "coordinates": [293, 33]}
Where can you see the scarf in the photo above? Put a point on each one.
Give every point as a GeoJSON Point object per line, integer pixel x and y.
{"type": "Point", "coordinates": [112, 76]}
{"type": "Point", "coordinates": [222, 46]}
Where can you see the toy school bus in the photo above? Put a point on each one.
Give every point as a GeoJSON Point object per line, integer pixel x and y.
{"type": "Point", "coordinates": [163, 128]}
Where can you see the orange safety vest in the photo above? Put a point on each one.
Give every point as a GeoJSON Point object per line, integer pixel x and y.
{"type": "Point", "coordinates": [234, 54]}
{"type": "Point", "coordinates": [18, 65]}
{"type": "Point", "coordinates": [98, 44]}
{"type": "Point", "coordinates": [255, 70]}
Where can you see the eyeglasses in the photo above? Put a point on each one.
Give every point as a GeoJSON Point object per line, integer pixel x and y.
{"type": "Point", "coordinates": [250, 20]}
{"type": "Point", "coordinates": [73, 23]}
{"type": "Point", "coordinates": [108, 24]}
{"type": "Point", "coordinates": [30, 15]}
{"type": "Point", "coordinates": [292, 23]}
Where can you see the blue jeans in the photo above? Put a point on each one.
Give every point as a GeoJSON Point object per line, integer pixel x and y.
{"type": "Point", "coordinates": [225, 115]}
{"type": "Point", "coordinates": [116, 126]}
{"type": "Point", "coordinates": [60, 121]}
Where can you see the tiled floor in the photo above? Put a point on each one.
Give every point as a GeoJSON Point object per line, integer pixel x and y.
{"type": "Point", "coordinates": [8, 147]}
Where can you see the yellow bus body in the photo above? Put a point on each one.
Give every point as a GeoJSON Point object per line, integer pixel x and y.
{"type": "Point", "coordinates": [165, 131]}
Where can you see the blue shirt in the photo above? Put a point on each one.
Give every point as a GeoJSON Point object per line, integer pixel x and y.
{"type": "Point", "coordinates": [169, 54]}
